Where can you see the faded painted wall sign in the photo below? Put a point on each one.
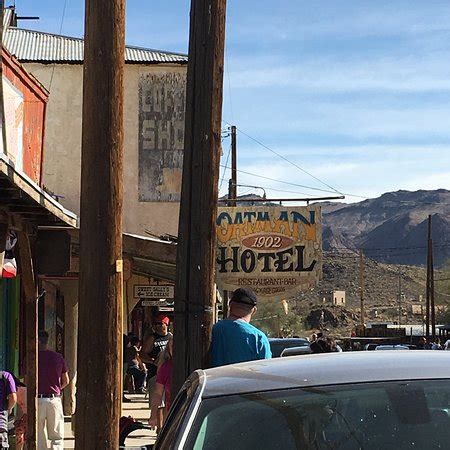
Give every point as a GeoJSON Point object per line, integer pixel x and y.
{"type": "Point", "coordinates": [161, 136]}
{"type": "Point", "coordinates": [276, 251]}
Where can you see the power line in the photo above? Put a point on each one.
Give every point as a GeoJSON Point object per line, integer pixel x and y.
{"type": "Point", "coordinates": [60, 42]}
{"type": "Point", "coordinates": [443, 245]}
{"type": "Point", "coordinates": [279, 181]}
{"type": "Point", "coordinates": [334, 190]}
{"type": "Point", "coordinates": [229, 83]}
{"type": "Point", "coordinates": [284, 190]}
{"type": "Point", "coordinates": [226, 164]}
{"type": "Point", "coordinates": [287, 160]}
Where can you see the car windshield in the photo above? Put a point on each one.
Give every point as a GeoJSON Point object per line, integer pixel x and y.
{"type": "Point", "coordinates": [370, 416]}
{"type": "Point", "coordinates": [277, 346]}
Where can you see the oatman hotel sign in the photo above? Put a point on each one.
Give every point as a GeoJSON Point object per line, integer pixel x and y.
{"type": "Point", "coordinates": [276, 251]}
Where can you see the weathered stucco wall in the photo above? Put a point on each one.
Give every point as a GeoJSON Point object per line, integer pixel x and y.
{"type": "Point", "coordinates": [62, 148]}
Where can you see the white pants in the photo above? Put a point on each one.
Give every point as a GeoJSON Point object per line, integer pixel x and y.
{"type": "Point", "coordinates": [50, 423]}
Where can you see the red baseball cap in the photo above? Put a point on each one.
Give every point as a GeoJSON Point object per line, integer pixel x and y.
{"type": "Point", "coordinates": [162, 318]}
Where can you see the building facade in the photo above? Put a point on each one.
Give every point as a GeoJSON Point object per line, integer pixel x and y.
{"type": "Point", "coordinates": [154, 106]}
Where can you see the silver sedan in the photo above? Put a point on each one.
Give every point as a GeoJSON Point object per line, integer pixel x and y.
{"type": "Point", "coordinates": [347, 401]}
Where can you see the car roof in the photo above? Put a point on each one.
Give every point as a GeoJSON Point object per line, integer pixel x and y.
{"type": "Point", "coordinates": [391, 346]}
{"type": "Point", "coordinates": [325, 369]}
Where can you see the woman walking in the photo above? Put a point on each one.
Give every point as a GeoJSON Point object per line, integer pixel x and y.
{"type": "Point", "coordinates": [161, 399]}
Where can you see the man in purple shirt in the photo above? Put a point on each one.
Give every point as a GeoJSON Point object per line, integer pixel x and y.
{"type": "Point", "coordinates": [53, 377]}
{"type": "Point", "coordinates": [8, 399]}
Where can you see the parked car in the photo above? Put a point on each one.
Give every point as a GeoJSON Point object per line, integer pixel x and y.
{"type": "Point", "coordinates": [303, 350]}
{"type": "Point", "coordinates": [277, 345]}
{"type": "Point", "coordinates": [346, 401]}
{"type": "Point", "coordinates": [371, 346]}
{"type": "Point", "coordinates": [392, 347]}
{"type": "Point", "coordinates": [295, 351]}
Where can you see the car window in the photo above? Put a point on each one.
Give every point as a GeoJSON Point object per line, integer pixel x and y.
{"type": "Point", "coordinates": [371, 416]}
{"type": "Point", "coordinates": [278, 346]}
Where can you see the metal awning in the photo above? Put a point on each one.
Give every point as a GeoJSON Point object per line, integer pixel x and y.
{"type": "Point", "coordinates": [22, 196]}
{"type": "Point", "coordinates": [151, 257]}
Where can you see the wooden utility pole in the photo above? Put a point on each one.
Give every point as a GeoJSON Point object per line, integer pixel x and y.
{"type": "Point", "coordinates": [232, 188]}
{"type": "Point", "coordinates": [195, 288]}
{"type": "Point", "coordinates": [232, 194]}
{"type": "Point", "coordinates": [31, 325]}
{"type": "Point", "coordinates": [100, 286]}
{"type": "Point", "coordinates": [432, 305]}
{"type": "Point", "coordinates": [361, 287]}
{"type": "Point", "coordinates": [399, 299]}
{"type": "Point", "coordinates": [428, 286]}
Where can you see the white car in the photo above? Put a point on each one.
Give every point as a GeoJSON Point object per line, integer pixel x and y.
{"type": "Point", "coordinates": [346, 401]}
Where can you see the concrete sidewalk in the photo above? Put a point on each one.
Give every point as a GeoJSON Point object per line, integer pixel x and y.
{"type": "Point", "coordinates": [138, 409]}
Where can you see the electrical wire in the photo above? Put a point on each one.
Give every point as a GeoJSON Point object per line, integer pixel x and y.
{"type": "Point", "coordinates": [334, 190]}
{"type": "Point", "coordinates": [229, 82]}
{"type": "Point", "coordinates": [60, 42]}
{"type": "Point", "coordinates": [289, 192]}
{"type": "Point", "coordinates": [279, 181]}
{"type": "Point", "coordinates": [226, 164]}
{"type": "Point", "coordinates": [288, 160]}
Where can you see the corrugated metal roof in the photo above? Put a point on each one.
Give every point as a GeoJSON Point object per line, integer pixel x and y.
{"type": "Point", "coordinates": [37, 46]}
{"type": "Point", "coordinates": [7, 16]}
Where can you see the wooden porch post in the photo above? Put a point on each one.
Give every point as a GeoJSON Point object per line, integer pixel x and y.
{"type": "Point", "coordinates": [31, 325]}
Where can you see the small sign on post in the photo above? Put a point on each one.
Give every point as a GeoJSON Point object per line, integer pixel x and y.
{"type": "Point", "coordinates": [149, 291]}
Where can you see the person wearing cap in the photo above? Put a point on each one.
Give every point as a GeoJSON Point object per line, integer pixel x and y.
{"type": "Point", "coordinates": [153, 345]}
{"type": "Point", "coordinates": [234, 339]}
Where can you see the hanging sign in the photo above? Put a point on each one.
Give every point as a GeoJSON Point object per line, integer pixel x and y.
{"type": "Point", "coordinates": [156, 303]}
{"type": "Point", "coordinates": [153, 291]}
{"type": "Point", "coordinates": [275, 251]}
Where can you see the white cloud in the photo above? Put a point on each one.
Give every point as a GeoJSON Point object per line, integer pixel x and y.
{"type": "Point", "coordinates": [419, 73]}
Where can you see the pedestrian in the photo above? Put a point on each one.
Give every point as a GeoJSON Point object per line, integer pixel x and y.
{"type": "Point", "coordinates": [125, 346]}
{"type": "Point", "coordinates": [135, 367]}
{"type": "Point", "coordinates": [424, 344]}
{"type": "Point", "coordinates": [8, 399]}
{"type": "Point", "coordinates": [234, 339]}
{"type": "Point", "coordinates": [162, 398]}
{"type": "Point", "coordinates": [323, 345]}
{"type": "Point", "coordinates": [153, 345]}
{"type": "Point", "coordinates": [53, 377]}
{"type": "Point", "coordinates": [447, 344]}
{"type": "Point", "coordinates": [436, 345]}
{"type": "Point", "coordinates": [20, 419]}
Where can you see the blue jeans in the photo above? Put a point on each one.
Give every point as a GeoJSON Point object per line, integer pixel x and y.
{"type": "Point", "coordinates": [139, 377]}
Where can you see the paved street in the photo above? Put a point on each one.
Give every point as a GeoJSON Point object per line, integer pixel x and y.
{"type": "Point", "coordinates": [138, 409]}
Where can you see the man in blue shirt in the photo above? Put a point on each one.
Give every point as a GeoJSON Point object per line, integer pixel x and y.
{"type": "Point", "coordinates": [234, 339]}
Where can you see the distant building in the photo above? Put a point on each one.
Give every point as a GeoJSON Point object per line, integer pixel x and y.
{"type": "Point", "coordinates": [416, 309]}
{"type": "Point", "coordinates": [338, 298]}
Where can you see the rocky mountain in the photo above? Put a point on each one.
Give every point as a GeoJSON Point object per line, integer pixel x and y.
{"type": "Point", "coordinates": [391, 228]}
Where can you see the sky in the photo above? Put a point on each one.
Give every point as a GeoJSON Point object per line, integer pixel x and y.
{"type": "Point", "coordinates": [356, 93]}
